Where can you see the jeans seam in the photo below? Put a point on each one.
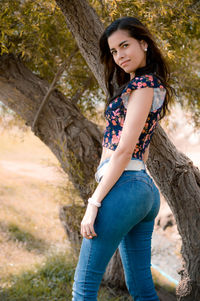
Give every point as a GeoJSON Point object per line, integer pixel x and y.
{"type": "Point", "coordinates": [86, 270]}
{"type": "Point", "coordinates": [127, 256]}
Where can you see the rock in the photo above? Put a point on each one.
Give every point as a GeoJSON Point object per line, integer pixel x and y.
{"type": "Point", "coordinates": [166, 220]}
{"type": "Point", "coordinates": [165, 217]}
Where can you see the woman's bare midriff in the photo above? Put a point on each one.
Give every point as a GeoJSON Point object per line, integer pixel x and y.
{"type": "Point", "coordinates": [107, 153]}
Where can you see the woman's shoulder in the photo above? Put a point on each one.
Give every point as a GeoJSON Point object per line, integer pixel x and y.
{"type": "Point", "coordinates": [142, 81]}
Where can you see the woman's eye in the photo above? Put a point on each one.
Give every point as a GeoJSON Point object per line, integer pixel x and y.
{"type": "Point", "coordinates": [125, 45]}
{"type": "Point", "coordinates": [113, 52]}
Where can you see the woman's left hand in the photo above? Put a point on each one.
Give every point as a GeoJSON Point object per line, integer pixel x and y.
{"type": "Point", "coordinates": [87, 224]}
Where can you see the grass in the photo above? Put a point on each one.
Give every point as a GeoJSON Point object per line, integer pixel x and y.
{"type": "Point", "coordinates": [30, 242]}
{"type": "Point", "coordinates": [50, 282]}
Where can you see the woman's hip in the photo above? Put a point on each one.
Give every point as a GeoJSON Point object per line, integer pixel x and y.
{"type": "Point", "coordinates": [133, 189]}
{"type": "Point", "coordinates": [130, 199]}
{"type": "Point", "coordinates": [126, 204]}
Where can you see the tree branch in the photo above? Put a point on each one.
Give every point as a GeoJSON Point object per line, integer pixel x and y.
{"type": "Point", "coordinates": [64, 65]}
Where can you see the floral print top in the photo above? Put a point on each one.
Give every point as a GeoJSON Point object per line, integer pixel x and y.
{"type": "Point", "coordinates": [116, 114]}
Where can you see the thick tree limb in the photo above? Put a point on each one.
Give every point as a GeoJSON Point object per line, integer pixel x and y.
{"type": "Point", "coordinates": [74, 140]}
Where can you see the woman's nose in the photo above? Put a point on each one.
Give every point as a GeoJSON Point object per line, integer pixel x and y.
{"type": "Point", "coordinates": [120, 55]}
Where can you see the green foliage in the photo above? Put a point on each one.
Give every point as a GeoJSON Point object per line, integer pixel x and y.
{"type": "Point", "coordinates": [36, 32]}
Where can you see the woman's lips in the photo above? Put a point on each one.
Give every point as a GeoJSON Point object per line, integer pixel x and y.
{"type": "Point", "coordinates": [124, 63]}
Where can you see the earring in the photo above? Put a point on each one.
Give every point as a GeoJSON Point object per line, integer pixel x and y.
{"type": "Point", "coordinates": [145, 49]}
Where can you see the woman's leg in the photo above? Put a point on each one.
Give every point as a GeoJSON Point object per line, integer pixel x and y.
{"type": "Point", "coordinates": [135, 251]}
{"type": "Point", "coordinates": [127, 203]}
{"type": "Point", "coordinates": [93, 259]}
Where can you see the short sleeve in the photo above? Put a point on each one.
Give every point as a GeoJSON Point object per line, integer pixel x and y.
{"type": "Point", "coordinates": [144, 81]}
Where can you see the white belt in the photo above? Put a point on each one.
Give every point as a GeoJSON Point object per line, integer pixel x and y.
{"type": "Point", "coordinates": [132, 165]}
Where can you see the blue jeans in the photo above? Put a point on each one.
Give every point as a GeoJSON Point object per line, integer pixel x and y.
{"type": "Point", "coordinates": [125, 220]}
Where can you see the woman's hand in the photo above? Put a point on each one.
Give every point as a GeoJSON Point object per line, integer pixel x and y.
{"type": "Point", "coordinates": [87, 224]}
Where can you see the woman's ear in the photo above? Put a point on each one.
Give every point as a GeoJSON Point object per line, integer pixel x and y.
{"type": "Point", "coordinates": [144, 45]}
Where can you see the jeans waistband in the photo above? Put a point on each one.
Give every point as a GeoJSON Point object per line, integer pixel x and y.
{"type": "Point", "coordinates": [134, 164]}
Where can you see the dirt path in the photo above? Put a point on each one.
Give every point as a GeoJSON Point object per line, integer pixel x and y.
{"type": "Point", "coordinates": [31, 170]}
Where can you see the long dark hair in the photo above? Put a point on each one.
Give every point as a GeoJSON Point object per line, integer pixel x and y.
{"type": "Point", "coordinates": [155, 63]}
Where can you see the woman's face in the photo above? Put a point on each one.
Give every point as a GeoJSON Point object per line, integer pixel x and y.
{"type": "Point", "coordinates": [128, 53]}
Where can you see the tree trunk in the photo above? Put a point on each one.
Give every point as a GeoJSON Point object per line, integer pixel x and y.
{"type": "Point", "coordinates": [86, 27]}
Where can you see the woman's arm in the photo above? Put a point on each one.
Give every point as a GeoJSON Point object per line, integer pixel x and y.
{"type": "Point", "coordinates": [138, 108]}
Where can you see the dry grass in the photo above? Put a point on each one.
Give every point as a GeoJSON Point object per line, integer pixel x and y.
{"type": "Point", "coordinates": [30, 195]}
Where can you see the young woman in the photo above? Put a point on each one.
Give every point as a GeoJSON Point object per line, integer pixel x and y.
{"type": "Point", "coordinates": [122, 209]}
